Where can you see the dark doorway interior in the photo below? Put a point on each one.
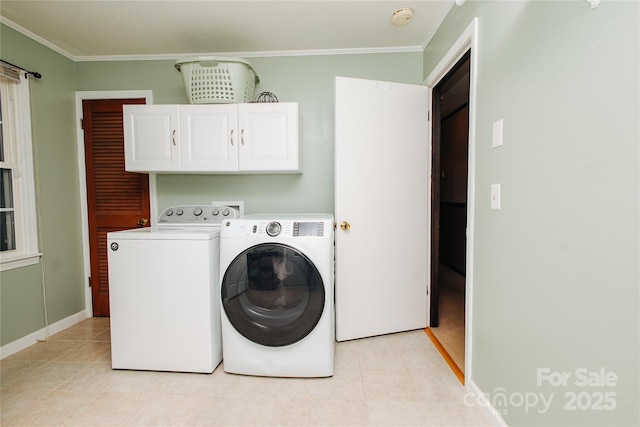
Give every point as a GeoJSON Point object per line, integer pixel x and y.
{"type": "Point", "coordinates": [449, 208]}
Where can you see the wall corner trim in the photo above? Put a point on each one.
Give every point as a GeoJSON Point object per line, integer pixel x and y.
{"type": "Point", "coordinates": [475, 396]}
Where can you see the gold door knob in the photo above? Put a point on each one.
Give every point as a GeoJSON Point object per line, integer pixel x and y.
{"type": "Point", "coordinates": [142, 222]}
{"type": "Point", "coordinates": [344, 225]}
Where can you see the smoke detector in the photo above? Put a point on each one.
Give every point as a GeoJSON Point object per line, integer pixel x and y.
{"type": "Point", "coordinates": [402, 16]}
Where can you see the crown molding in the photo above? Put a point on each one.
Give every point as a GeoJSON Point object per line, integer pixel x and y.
{"type": "Point", "coordinates": [265, 54]}
{"type": "Point", "coordinates": [36, 37]}
{"type": "Point", "coordinates": [439, 22]}
{"type": "Point", "coordinates": [176, 56]}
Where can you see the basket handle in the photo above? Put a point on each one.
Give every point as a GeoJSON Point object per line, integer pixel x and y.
{"type": "Point", "coordinates": [209, 63]}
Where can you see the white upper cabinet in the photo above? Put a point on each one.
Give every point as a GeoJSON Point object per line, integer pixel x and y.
{"type": "Point", "coordinates": [268, 137]}
{"type": "Point", "coordinates": [209, 138]}
{"type": "Point", "coordinates": [151, 138]}
{"type": "Point", "coordinates": [212, 138]}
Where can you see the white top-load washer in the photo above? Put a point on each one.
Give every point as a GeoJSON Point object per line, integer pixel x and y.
{"type": "Point", "coordinates": [277, 287]}
{"type": "Point", "coordinates": [164, 303]}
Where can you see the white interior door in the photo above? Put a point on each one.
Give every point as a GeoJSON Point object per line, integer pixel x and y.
{"type": "Point", "coordinates": [382, 186]}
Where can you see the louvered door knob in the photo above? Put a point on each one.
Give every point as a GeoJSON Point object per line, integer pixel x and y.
{"type": "Point", "coordinates": [142, 222]}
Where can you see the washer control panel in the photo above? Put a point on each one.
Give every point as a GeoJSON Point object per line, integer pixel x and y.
{"type": "Point", "coordinates": [197, 215]}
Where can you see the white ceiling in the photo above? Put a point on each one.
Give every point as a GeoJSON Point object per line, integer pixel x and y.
{"type": "Point", "coordinates": [92, 29]}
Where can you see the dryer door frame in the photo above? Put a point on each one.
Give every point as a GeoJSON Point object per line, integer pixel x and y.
{"type": "Point", "coordinates": [273, 294]}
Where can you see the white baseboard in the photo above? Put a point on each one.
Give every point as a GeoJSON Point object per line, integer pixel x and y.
{"type": "Point", "coordinates": [42, 334]}
{"type": "Point", "coordinates": [480, 400]}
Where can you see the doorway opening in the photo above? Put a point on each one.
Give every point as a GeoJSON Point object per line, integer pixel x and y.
{"type": "Point", "coordinates": [450, 154]}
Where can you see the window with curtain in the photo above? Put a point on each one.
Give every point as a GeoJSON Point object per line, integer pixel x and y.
{"type": "Point", "coordinates": [18, 223]}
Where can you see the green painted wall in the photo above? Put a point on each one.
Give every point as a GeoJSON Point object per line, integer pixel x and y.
{"type": "Point", "coordinates": [56, 167]}
{"type": "Point", "coordinates": [556, 279]}
{"type": "Point", "coordinates": [21, 303]}
{"type": "Point", "coordinates": [308, 80]}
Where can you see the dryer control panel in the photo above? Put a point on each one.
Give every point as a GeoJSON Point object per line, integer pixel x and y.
{"type": "Point", "coordinates": [279, 226]}
{"type": "Point", "coordinates": [197, 215]}
{"type": "Point", "coordinates": [307, 228]}
{"type": "Point", "coordinates": [293, 228]}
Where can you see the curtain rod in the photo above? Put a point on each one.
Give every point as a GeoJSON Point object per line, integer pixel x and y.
{"type": "Point", "coordinates": [35, 74]}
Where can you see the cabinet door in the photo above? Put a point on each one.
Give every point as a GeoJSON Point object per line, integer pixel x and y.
{"type": "Point", "coordinates": [151, 135]}
{"type": "Point", "coordinates": [269, 137]}
{"type": "Point", "coordinates": [209, 138]}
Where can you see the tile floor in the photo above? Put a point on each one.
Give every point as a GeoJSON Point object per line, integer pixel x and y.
{"type": "Point", "coordinates": [450, 331]}
{"type": "Point", "coordinates": [392, 380]}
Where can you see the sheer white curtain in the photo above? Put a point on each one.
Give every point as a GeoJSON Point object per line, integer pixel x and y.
{"type": "Point", "coordinates": [18, 220]}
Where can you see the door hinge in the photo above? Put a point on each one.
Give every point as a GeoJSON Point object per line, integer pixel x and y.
{"type": "Point", "coordinates": [81, 123]}
{"type": "Point", "coordinates": [89, 281]}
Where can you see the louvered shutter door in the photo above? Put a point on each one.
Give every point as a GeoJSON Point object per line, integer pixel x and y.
{"type": "Point", "coordinates": [117, 199]}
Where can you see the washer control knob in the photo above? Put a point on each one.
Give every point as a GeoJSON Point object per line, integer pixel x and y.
{"type": "Point", "coordinates": [225, 212]}
{"type": "Point", "coordinates": [179, 212]}
{"type": "Point", "coordinates": [197, 211]}
{"type": "Point", "coordinates": [274, 228]}
{"type": "Point", "coordinates": [169, 212]}
{"type": "Point", "coordinates": [215, 212]}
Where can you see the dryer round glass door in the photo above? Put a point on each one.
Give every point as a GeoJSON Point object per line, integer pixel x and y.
{"type": "Point", "coordinates": [273, 294]}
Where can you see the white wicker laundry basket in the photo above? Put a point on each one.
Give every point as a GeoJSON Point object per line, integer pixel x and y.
{"type": "Point", "coordinates": [217, 80]}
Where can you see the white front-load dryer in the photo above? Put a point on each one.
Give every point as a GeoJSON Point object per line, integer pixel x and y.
{"type": "Point", "coordinates": [277, 295]}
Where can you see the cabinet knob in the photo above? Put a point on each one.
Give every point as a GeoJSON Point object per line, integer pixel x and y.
{"type": "Point", "coordinates": [344, 225]}
{"type": "Point", "coordinates": [143, 221]}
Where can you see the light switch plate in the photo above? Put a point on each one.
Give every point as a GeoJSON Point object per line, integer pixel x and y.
{"type": "Point", "coordinates": [495, 196]}
{"type": "Point", "coordinates": [497, 134]}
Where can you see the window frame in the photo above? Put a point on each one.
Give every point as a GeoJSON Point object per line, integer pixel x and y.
{"type": "Point", "coordinates": [18, 150]}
